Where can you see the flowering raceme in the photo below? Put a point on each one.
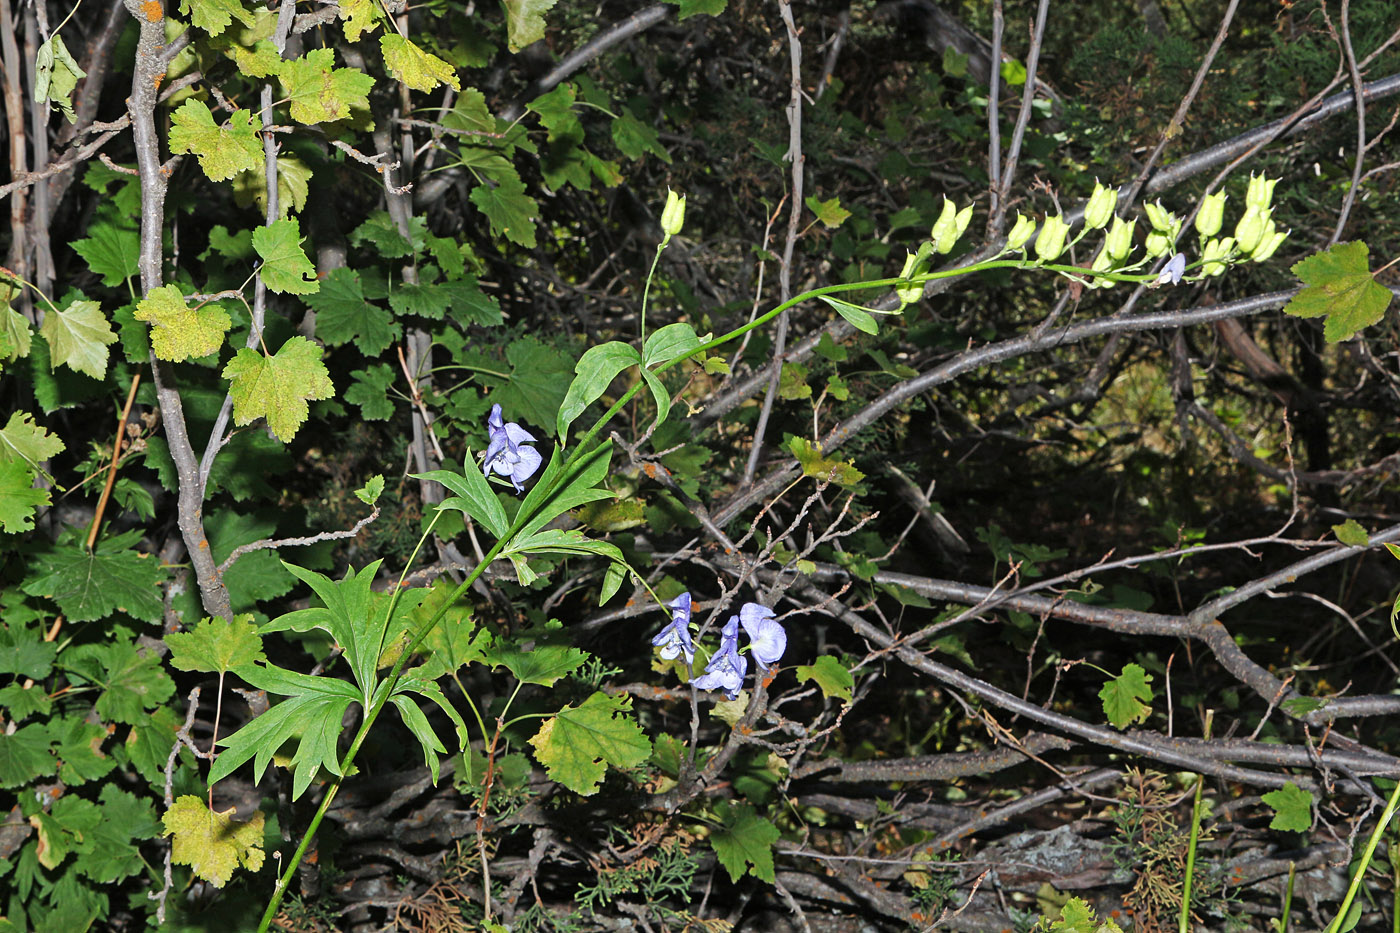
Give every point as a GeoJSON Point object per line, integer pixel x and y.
{"type": "Point", "coordinates": [506, 453]}
{"type": "Point", "coordinates": [674, 639]}
{"type": "Point", "coordinates": [727, 667]}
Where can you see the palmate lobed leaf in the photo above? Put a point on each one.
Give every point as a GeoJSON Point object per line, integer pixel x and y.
{"type": "Point", "coordinates": [1340, 287]}
{"type": "Point", "coordinates": [319, 92]}
{"type": "Point", "coordinates": [213, 844]}
{"type": "Point", "coordinates": [78, 337]}
{"type": "Point", "coordinates": [525, 21]}
{"type": "Point", "coordinates": [285, 267]}
{"type": "Point", "coordinates": [179, 332]}
{"type": "Point", "coordinates": [1127, 697]}
{"type": "Point", "coordinates": [222, 150]}
{"type": "Point", "coordinates": [278, 387]}
{"type": "Point", "coordinates": [578, 743]}
{"type": "Point", "coordinates": [1292, 808]}
{"type": "Point", "coordinates": [744, 843]}
{"type": "Point", "coordinates": [416, 68]}
{"type": "Point", "coordinates": [216, 646]}
{"type": "Point", "coordinates": [91, 585]}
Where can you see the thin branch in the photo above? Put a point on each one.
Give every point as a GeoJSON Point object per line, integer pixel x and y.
{"type": "Point", "coordinates": [798, 160]}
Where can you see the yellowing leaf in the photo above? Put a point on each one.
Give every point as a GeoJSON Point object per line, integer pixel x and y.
{"type": "Point", "coordinates": [23, 440]}
{"type": "Point", "coordinates": [179, 332]}
{"type": "Point", "coordinates": [79, 336]}
{"type": "Point", "coordinates": [213, 844]}
{"type": "Point", "coordinates": [214, 16]}
{"type": "Point", "coordinates": [576, 745]}
{"type": "Point", "coordinates": [359, 16]}
{"type": "Point", "coordinates": [285, 266]}
{"type": "Point", "coordinates": [840, 472]}
{"type": "Point", "coordinates": [1351, 532]}
{"type": "Point", "coordinates": [56, 74]}
{"type": "Point", "coordinates": [525, 21]}
{"type": "Point", "coordinates": [318, 91]}
{"type": "Point", "coordinates": [1340, 286]}
{"type": "Point", "coordinates": [420, 70]}
{"type": "Point", "coordinates": [829, 212]}
{"type": "Point", "coordinates": [223, 151]}
{"type": "Point", "coordinates": [278, 387]}
{"type": "Point", "coordinates": [261, 61]}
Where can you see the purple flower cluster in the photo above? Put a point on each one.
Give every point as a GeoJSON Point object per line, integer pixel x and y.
{"type": "Point", "coordinates": [506, 450]}
{"type": "Point", "coordinates": [727, 668]}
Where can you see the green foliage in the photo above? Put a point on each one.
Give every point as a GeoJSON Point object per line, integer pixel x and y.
{"type": "Point", "coordinates": [577, 743]}
{"type": "Point", "coordinates": [278, 387]}
{"type": "Point", "coordinates": [179, 332]}
{"type": "Point", "coordinates": [1341, 288]}
{"type": "Point", "coordinates": [1292, 808]}
{"type": "Point", "coordinates": [743, 842]}
{"type": "Point", "coordinates": [830, 675]}
{"type": "Point", "coordinates": [78, 337]}
{"type": "Point", "coordinates": [223, 151]}
{"type": "Point", "coordinates": [1127, 698]}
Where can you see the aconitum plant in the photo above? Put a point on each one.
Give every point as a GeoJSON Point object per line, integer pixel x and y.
{"type": "Point", "coordinates": [506, 450]}
{"type": "Point", "coordinates": [727, 666]}
{"type": "Point", "coordinates": [674, 639]}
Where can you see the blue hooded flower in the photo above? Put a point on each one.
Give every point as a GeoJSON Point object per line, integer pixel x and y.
{"type": "Point", "coordinates": [767, 638]}
{"type": "Point", "coordinates": [727, 667]}
{"type": "Point", "coordinates": [506, 453]}
{"type": "Point", "coordinates": [674, 639]}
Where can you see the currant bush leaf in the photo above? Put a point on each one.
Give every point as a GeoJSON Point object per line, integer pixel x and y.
{"type": "Point", "coordinates": [319, 92]}
{"type": "Point", "coordinates": [830, 675]}
{"type": "Point", "coordinates": [1127, 697]}
{"type": "Point", "coordinates": [278, 387]}
{"type": "Point", "coordinates": [525, 21]}
{"type": "Point", "coordinates": [215, 646]}
{"type": "Point", "coordinates": [744, 843]}
{"type": "Point", "coordinates": [214, 16]}
{"type": "Point", "coordinates": [130, 680]}
{"type": "Point", "coordinates": [578, 743]}
{"type": "Point", "coordinates": [91, 585]}
{"type": "Point", "coordinates": [510, 210]}
{"type": "Point", "coordinates": [179, 332]}
{"type": "Point", "coordinates": [111, 251]}
{"type": "Point", "coordinates": [222, 151]}
{"type": "Point", "coordinates": [23, 441]}
{"type": "Point", "coordinates": [24, 755]}
{"type": "Point", "coordinates": [213, 844]}
{"type": "Point", "coordinates": [1341, 288]}
{"type": "Point", "coordinates": [78, 337]}
{"type": "Point", "coordinates": [285, 266]}
{"type": "Point", "coordinates": [416, 68]}
{"type": "Point", "coordinates": [1292, 808]}
{"type": "Point", "coordinates": [343, 314]}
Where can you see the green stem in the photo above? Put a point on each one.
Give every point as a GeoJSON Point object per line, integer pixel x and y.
{"type": "Point", "coordinates": [646, 289]}
{"type": "Point", "coordinates": [1387, 814]}
{"type": "Point", "coordinates": [1184, 925]}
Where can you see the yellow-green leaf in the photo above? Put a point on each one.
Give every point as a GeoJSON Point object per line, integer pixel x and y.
{"type": "Point", "coordinates": [359, 17]}
{"type": "Point", "coordinates": [317, 91]}
{"type": "Point", "coordinates": [214, 16]}
{"type": "Point", "coordinates": [1351, 532]}
{"type": "Point", "coordinates": [420, 70]}
{"type": "Point", "coordinates": [840, 472]}
{"type": "Point", "coordinates": [278, 387]}
{"type": "Point", "coordinates": [525, 21]}
{"type": "Point", "coordinates": [829, 212]}
{"type": "Point", "coordinates": [211, 843]}
{"type": "Point", "coordinates": [285, 266]}
{"type": "Point", "coordinates": [179, 332]}
{"type": "Point", "coordinates": [576, 745]}
{"type": "Point", "coordinates": [78, 337]}
{"type": "Point", "coordinates": [223, 151]}
{"type": "Point", "coordinates": [1341, 287]}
